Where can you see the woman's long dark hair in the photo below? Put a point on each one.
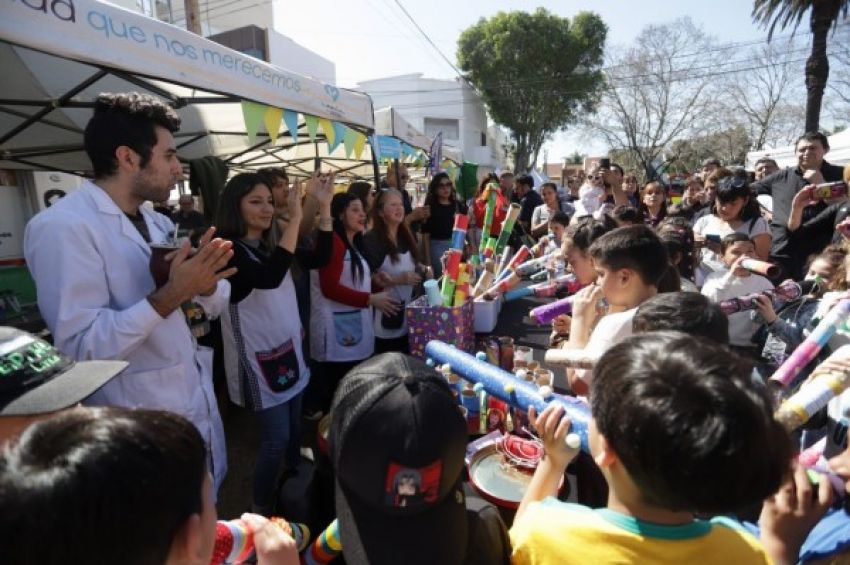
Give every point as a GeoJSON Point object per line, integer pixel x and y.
{"type": "Point", "coordinates": [379, 226]}
{"type": "Point", "coordinates": [644, 209]}
{"type": "Point", "coordinates": [485, 182]}
{"type": "Point", "coordinates": [339, 205]}
{"type": "Point", "coordinates": [228, 217]}
{"type": "Point", "coordinates": [434, 185]}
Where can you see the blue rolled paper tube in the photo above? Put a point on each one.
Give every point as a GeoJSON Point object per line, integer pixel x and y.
{"type": "Point", "coordinates": [518, 394]}
{"type": "Point", "coordinates": [457, 238]}
{"type": "Point", "coordinates": [432, 289]}
{"type": "Point", "coordinates": [516, 293]}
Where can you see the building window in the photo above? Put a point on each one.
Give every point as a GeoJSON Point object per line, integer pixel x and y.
{"type": "Point", "coordinates": [450, 128]}
{"type": "Point", "coordinates": [483, 139]}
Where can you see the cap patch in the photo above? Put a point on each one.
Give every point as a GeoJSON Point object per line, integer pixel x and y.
{"type": "Point", "coordinates": [411, 487]}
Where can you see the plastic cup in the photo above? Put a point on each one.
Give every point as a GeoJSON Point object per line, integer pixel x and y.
{"type": "Point", "coordinates": [160, 266]}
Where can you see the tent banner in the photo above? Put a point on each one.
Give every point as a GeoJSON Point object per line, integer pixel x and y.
{"type": "Point", "coordinates": [106, 35]}
{"type": "Point", "coordinates": [389, 147]}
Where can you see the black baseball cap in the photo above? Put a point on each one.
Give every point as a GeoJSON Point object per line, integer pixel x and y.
{"type": "Point", "coordinates": [397, 443]}
{"type": "Point", "coordinates": [36, 379]}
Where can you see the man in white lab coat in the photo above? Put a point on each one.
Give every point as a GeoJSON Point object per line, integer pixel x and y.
{"type": "Point", "coordinates": [89, 255]}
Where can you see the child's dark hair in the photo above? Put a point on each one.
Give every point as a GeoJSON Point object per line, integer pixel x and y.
{"type": "Point", "coordinates": [110, 485]}
{"type": "Point", "coordinates": [733, 187]}
{"type": "Point", "coordinates": [560, 218]}
{"type": "Point", "coordinates": [731, 239]}
{"type": "Point", "coordinates": [688, 312]}
{"type": "Point", "coordinates": [632, 247]}
{"type": "Point", "coordinates": [627, 214]}
{"type": "Point", "coordinates": [689, 426]}
{"type": "Point", "coordinates": [587, 230]}
{"type": "Point", "coordinates": [678, 237]}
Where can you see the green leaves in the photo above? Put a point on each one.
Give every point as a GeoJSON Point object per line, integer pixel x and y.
{"type": "Point", "coordinates": [535, 71]}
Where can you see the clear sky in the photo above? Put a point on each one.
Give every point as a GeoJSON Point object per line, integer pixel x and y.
{"type": "Point", "coordinates": [372, 38]}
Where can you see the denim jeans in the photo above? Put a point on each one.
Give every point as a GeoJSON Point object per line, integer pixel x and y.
{"type": "Point", "coordinates": [437, 248]}
{"type": "Point", "coordinates": [280, 439]}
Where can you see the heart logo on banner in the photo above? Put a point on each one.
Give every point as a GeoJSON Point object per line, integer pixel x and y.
{"type": "Point", "coordinates": [332, 91]}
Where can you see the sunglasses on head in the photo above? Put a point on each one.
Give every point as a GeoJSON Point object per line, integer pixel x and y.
{"type": "Point", "coordinates": [595, 177]}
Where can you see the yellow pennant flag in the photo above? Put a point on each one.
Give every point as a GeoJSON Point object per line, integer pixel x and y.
{"type": "Point", "coordinates": [272, 119]}
{"type": "Point", "coordinates": [328, 128]}
{"type": "Point", "coordinates": [359, 144]}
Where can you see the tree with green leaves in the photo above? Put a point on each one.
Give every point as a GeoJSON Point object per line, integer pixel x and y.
{"type": "Point", "coordinates": [536, 72]}
{"type": "Point", "coordinates": [824, 15]}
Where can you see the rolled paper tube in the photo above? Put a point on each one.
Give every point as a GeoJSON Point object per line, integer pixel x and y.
{"type": "Point", "coordinates": [517, 293]}
{"type": "Point", "coordinates": [490, 248]}
{"type": "Point", "coordinates": [816, 394]}
{"type": "Point", "coordinates": [461, 222]}
{"type": "Point", "coordinates": [507, 388]}
{"type": "Point", "coordinates": [548, 312]}
{"type": "Point", "coordinates": [504, 285]}
{"type": "Point", "coordinates": [326, 548]}
{"type": "Point", "coordinates": [234, 540]}
{"type": "Point", "coordinates": [470, 400]}
{"type": "Point", "coordinates": [829, 190]}
{"type": "Point", "coordinates": [532, 266]}
{"type": "Point", "coordinates": [490, 265]}
{"type": "Point", "coordinates": [457, 238]}
{"type": "Point", "coordinates": [508, 226]}
{"type": "Point", "coordinates": [539, 276]}
{"type": "Point", "coordinates": [432, 290]}
{"type": "Point", "coordinates": [540, 246]}
{"type": "Point", "coordinates": [453, 263]}
{"type": "Point", "coordinates": [812, 345]}
{"type": "Point", "coordinates": [483, 284]}
{"type": "Point", "coordinates": [505, 258]}
{"type": "Point", "coordinates": [574, 358]}
{"type": "Point", "coordinates": [788, 290]}
{"type": "Point", "coordinates": [761, 267]}
{"type": "Point", "coordinates": [447, 292]}
{"type": "Point", "coordinates": [489, 211]}
{"type": "Point", "coordinates": [519, 257]}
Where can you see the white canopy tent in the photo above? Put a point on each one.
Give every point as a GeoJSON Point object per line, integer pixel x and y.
{"type": "Point", "coordinates": [388, 121]}
{"type": "Point", "coordinates": [839, 152]}
{"type": "Point", "coordinates": [56, 61]}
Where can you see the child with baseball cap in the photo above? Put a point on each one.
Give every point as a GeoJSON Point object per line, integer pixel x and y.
{"type": "Point", "coordinates": [397, 442]}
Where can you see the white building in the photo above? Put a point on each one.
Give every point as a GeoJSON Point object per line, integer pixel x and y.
{"type": "Point", "coordinates": [240, 27]}
{"type": "Point", "coordinates": [450, 106]}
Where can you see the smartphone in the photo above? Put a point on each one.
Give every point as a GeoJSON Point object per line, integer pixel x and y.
{"type": "Point", "coordinates": [605, 163]}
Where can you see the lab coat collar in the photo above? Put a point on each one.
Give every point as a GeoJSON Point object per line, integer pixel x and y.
{"type": "Point", "coordinates": [106, 205]}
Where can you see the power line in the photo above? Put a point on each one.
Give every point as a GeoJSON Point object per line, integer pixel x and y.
{"type": "Point", "coordinates": [428, 39]}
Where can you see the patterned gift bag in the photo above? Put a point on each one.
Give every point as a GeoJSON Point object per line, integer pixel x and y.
{"type": "Point", "coordinates": [451, 325]}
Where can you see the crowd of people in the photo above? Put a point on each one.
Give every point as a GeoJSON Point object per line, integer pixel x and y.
{"type": "Point", "coordinates": [311, 285]}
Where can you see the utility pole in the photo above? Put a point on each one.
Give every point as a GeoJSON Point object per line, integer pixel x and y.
{"type": "Point", "coordinates": [193, 16]}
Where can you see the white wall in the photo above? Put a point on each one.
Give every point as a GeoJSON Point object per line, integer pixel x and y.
{"type": "Point", "coordinates": [287, 54]}
{"type": "Point", "coordinates": [417, 98]}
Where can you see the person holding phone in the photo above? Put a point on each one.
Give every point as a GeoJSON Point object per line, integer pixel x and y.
{"type": "Point", "coordinates": [391, 251]}
{"type": "Point", "coordinates": [835, 216]}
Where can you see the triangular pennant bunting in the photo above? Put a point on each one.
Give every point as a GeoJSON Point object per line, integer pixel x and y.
{"type": "Point", "coordinates": [272, 121]}
{"type": "Point", "coordinates": [253, 114]}
{"type": "Point", "coordinates": [290, 118]}
{"type": "Point", "coordinates": [359, 144]}
{"type": "Point", "coordinates": [312, 126]}
{"type": "Point", "coordinates": [339, 136]}
{"type": "Point", "coordinates": [328, 128]}
{"type": "Point", "coordinates": [349, 140]}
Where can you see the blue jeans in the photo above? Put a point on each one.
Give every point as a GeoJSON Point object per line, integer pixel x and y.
{"type": "Point", "coordinates": [437, 248]}
{"type": "Point", "coordinates": [280, 435]}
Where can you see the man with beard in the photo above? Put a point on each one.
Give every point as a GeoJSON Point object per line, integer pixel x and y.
{"type": "Point", "coordinates": [90, 256]}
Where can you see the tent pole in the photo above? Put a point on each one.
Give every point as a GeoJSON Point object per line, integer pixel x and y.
{"type": "Point", "coordinates": [376, 170]}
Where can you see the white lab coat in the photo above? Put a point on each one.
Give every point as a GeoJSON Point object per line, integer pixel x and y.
{"type": "Point", "coordinates": [91, 268]}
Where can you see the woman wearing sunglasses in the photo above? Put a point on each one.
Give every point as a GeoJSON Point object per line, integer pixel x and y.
{"type": "Point", "coordinates": [437, 229]}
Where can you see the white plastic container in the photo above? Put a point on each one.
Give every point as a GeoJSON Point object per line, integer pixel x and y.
{"type": "Point", "coordinates": [486, 313]}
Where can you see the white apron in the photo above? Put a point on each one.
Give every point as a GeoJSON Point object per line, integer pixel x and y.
{"type": "Point", "coordinates": [263, 357]}
{"type": "Point", "coordinates": [339, 332]}
{"type": "Point", "coordinates": [400, 293]}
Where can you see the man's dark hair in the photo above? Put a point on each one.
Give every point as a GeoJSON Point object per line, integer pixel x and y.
{"type": "Point", "coordinates": [125, 119]}
{"type": "Point", "coordinates": [626, 213]}
{"type": "Point", "coordinates": [731, 239]}
{"type": "Point", "coordinates": [273, 174]}
{"type": "Point", "coordinates": [688, 424]}
{"type": "Point", "coordinates": [560, 218]}
{"type": "Point", "coordinates": [813, 136]}
{"type": "Point", "coordinates": [632, 247]}
{"type": "Point", "coordinates": [766, 160]}
{"type": "Point", "coordinates": [551, 185]}
{"type": "Point", "coordinates": [619, 168]}
{"type": "Point", "coordinates": [711, 161]}
{"type": "Point", "coordinates": [587, 230]}
{"type": "Point", "coordinates": [525, 180]}
{"type": "Point", "coordinates": [687, 312]}
{"type": "Point", "coordinates": [105, 485]}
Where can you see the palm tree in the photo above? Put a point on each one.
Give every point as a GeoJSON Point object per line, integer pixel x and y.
{"type": "Point", "coordinates": [825, 14]}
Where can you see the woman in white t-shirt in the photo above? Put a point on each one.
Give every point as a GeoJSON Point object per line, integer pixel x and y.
{"type": "Point", "coordinates": [735, 210]}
